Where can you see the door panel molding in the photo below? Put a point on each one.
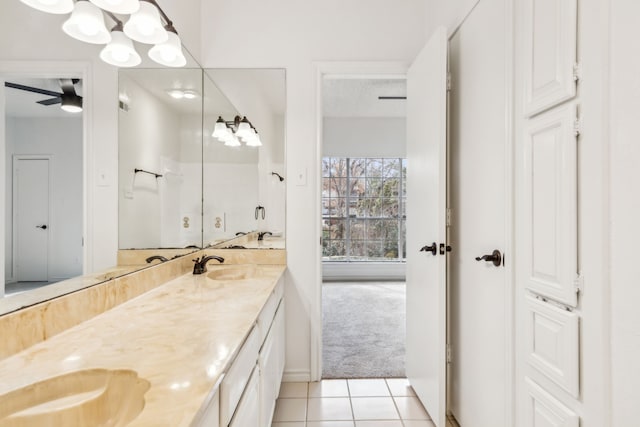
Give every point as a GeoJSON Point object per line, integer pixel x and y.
{"type": "Point", "coordinates": [544, 410]}
{"type": "Point", "coordinates": [550, 201]}
{"type": "Point", "coordinates": [550, 53]}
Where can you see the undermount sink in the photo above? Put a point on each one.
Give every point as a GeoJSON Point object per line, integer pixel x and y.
{"type": "Point", "coordinates": [233, 273]}
{"type": "Point", "coordinates": [92, 397]}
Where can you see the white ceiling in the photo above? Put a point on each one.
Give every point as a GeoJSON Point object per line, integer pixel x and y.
{"type": "Point", "coordinates": [20, 103]}
{"type": "Point", "coordinates": [358, 97]}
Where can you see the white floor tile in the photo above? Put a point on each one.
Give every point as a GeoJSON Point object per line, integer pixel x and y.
{"type": "Point", "coordinates": [368, 388]}
{"type": "Point", "coordinates": [374, 408]}
{"type": "Point", "coordinates": [329, 388]}
{"type": "Point", "coordinates": [329, 409]}
{"type": "Point", "coordinates": [379, 423]}
{"type": "Point", "coordinates": [414, 423]}
{"type": "Point", "coordinates": [330, 424]}
{"type": "Point", "coordinates": [299, 390]}
{"type": "Point", "coordinates": [290, 410]}
{"type": "Point", "coordinates": [293, 424]}
{"type": "Point", "coordinates": [410, 408]}
{"type": "Point", "coordinates": [400, 387]}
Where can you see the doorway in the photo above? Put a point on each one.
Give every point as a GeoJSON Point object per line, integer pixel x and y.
{"type": "Point", "coordinates": [43, 145]}
{"type": "Point", "coordinates": [363, 226]}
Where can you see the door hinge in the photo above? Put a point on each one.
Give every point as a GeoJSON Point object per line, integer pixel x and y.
{"type": "Point", "coordinates": [577, 72]}
{"type": "Point", "coordinates": [448, 353]}
{"type": "Point", "coordinates": [448, 220]}
{"type": "Point", "coordinates": [578, 283]}
{"type": "Point", "coordinates": [449, 83]}
{"type": "Point", "coordinates": [577, 126]}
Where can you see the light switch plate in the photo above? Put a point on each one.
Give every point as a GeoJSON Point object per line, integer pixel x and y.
{"type": "Point", "coordinates": [301, 177]}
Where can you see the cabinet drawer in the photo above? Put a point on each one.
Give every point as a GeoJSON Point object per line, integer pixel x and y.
{"type": "Point", "coordinates": [552, 343]}
{"type": "Point", "coordinates": [248, 409]}
{"type": "Point", "coordinates": [270, 372]}
{"type": "Point", "coordinates": [237, 377]}
{"type": "Point", "coordinates": [544, 410]}
{"type": "Point", "coordinates": [269, 310]}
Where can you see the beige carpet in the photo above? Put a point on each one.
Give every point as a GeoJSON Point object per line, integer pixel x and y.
{"type": "Point", "coordinates": [363, 329]}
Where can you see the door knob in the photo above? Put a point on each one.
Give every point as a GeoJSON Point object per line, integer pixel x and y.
{"type": "Point", "coordinates": [433, 248]}
{"type": "Point", "coordinates": [44, 226]}
{"type": "Point", "coordinates": [495, 258]}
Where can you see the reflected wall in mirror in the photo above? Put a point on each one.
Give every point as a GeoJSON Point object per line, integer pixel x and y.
{"type": "Point", "coordinates": [241, 193]}
{"type": "Point", "coordinates": [43, 182]}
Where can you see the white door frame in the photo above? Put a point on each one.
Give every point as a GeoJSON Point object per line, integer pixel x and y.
{"type": "Point", "coordinates": [346, 70]}
{"type": "Point", "coordinates": [47, 69]}
{"type": "Point", "coordinates": [14, 246]}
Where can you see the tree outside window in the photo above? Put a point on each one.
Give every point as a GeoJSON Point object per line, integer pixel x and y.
{"type": "Point", "coordinates": [363, 205]}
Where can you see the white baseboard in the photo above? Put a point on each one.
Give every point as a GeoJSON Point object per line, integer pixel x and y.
{"type": "Point", "coordinates": [363, 271]}
{"type": "Point", "coordinates": [296, 376]}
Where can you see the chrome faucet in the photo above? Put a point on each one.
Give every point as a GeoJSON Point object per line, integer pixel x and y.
{"type": "Point", "coordinates": [154, 257]}
{"type": "Point", "coordinates": [200, 265]}
{"type": "Point", "coordinates": [264, 233]}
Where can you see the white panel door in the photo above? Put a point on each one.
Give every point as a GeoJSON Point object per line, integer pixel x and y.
{"type": "Point", "coordinates": [31, 216]}
{"type": "Point", "coordinates": [552, 343]}
{"type": "Point", "coordinates": [550, 200]}
{"type": "Point", "coordinates": [479, 293]}
{"type": "Point", "coordinates": [550, 53]}
{"type": "Point", "coordinates": [544, 410]}
{"type": "Point", "coordinates": [426, 225]}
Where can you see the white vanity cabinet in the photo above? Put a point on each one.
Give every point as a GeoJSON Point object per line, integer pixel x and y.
{"type": "Point", "coordinates": [250, 387]}
{"type": "Point", "coordinates": [211, 415]}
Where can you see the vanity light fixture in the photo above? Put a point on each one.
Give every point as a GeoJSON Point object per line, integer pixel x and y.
{"type": "Point", "coordinates": [240, 129]}
{"type": "Point", "coordinates": [124, 7]}
{"type": "Point", "coordinates": [147, 23]}
{"type": "Point", "coordinates": [58, 7]}
{"type": "Point", "coordinates": [120, 51]}
{"type": "Point", "coordinates": [145, 26]}
{"type": "Point", "coordinates": [86, 24]}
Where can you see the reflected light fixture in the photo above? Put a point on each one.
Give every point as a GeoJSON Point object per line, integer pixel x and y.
{"type": "Point", "coordinates": [147, 23]}
{"type": "Point", "coordinates": [58, 7]}
{"type": "Point", "coordinates": [231, 133]}
{"type": "Point", "coordinates": [118, 6]}
{"type": "Point", "coordinates": [182, 93]}
{"type": "Point", "coordinates": [144, 26]}
{"type": "Point", "coordinates": [71, 103]}
{"type": "Point", "coordinates": [120, 51]}
{"type": "Point", "coordinates": [86, 24]}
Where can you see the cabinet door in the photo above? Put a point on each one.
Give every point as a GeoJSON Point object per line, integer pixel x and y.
{"type": "Point", "coordinates": [270, 368]}
{"type": "Point", "coordinates": [550, 53]}
{"type": "Point", "coordinates": [552, 341]}
{"type": "Point", "coordinates": [211, 415]}
{"type": "Point", "coordinates": [248, 411]}
{"type": "Point", "coordinates": [550, 216]}
{"type": "Point", "coordinates": [544, 410]}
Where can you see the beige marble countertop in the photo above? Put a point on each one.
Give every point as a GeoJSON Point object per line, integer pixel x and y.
{"type": "Point", "coordinates": [180, 337]}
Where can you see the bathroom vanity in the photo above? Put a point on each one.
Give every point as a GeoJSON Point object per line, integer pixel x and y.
{"type": "Point", "coordinates": [195, 350]}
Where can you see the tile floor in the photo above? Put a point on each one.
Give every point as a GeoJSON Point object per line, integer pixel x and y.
{"type": "Point", "coordinates": [387, 402]}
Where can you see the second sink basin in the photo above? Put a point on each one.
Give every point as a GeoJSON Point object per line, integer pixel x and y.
{"type": "Point", "coordinates": [240, 272]}
{"type": "Point", "coordinates": [92, 397]}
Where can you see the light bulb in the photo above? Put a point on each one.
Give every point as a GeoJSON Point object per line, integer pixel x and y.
{"type": "Point", "coordinates": [120, 52]}
{"type": "Point", "coordinates": [88, 28]}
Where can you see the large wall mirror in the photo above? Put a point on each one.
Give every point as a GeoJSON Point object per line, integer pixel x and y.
{"type": "Point", "coordinates": [178, 185]}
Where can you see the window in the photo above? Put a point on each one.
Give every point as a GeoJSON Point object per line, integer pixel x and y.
{"type": "Point", "coordinates": [363, 209]}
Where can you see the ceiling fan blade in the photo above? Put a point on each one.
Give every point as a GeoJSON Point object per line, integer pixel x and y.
{"type": "Point", "coordinates": [31, 89]}
{"type": "Point", "coordinates": [50, 101]}
{"type": "Point", "coordinates": [67, 87]}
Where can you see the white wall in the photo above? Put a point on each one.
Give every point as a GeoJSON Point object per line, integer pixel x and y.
{"type": "Point", "coordinates": [625, 210]}
{"type": "Point", "coordinates": [62, 140]}
{"type": "Point", "coordinates": [449, 13]}
{"type": "Point", "coordinates": [293, 35]}
{"type": "Point", "coordinates": [364, 137]}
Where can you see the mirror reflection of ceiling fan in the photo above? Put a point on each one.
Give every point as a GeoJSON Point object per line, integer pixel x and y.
{"type": "Point", "coordinates": [69, 100]}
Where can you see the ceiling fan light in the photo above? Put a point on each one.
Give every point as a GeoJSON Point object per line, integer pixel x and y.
{"type": "Point", "coordinates": [51, 6]}
{"type": "Point", "coordinates": [145, 26]}
{"type": "Point", "coordinates": [86, 24]}
{"type": "Point", "coordinates": [126, 7]}
{"type": "Point", "coordinates": [120, 51]}
{"type": "Point", "coordinates": [169, 53]}
{"type": "Point", "coordinates": [71, 103]}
